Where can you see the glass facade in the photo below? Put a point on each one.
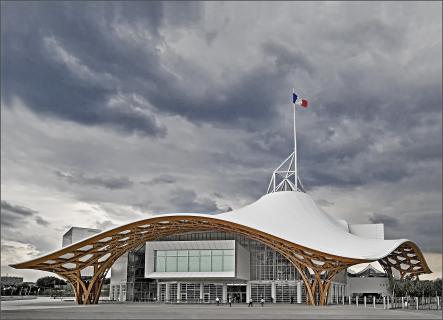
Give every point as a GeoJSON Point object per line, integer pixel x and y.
{"type": "Point", "coordinates": [266, 266]}
{"type": "Point", "coordinates": [194, 260]}
{"type": "Point", "coordinates": [265, 263]}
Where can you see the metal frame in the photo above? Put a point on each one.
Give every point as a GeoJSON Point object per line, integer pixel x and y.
{"type": "Point", "coordinates": [285, 178]}
{"type": "Point", "coordinates": [102, 250]}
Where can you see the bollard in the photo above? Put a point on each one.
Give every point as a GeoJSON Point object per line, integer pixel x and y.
{"type": "Point", "coordinates": [416, 302]}
{"type": "Point", "coordinates": [402, 302]}
{"type": "Point", "coordinates": [364, 300]}
{"type": "Point", "coordinates": [384, 302]}
{"type": "Point", "coordinates": [356, 301]}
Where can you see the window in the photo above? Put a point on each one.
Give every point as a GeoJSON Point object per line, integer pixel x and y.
{"type": "Point", "coordinates": [194, 261]}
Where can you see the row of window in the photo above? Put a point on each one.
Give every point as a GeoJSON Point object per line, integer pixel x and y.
{"type": "Point", "coordinates": [194, 260]}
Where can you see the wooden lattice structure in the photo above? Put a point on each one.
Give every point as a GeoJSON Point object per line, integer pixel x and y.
{"type": "Point", "coordinates": [316, 268]}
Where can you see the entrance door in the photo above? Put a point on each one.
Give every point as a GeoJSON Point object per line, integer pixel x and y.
{"type": "Point", "coordinates": [206, 297]}
{"type": "Point", "coordinates": [237, 293]}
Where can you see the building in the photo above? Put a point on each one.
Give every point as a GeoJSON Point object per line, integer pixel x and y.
{"type": "Point", "coordinates": [76, 234]}
{"type": "Point", "coordinates": [368, 282]}
{"type": "Point", "coordinates": [282, 248]}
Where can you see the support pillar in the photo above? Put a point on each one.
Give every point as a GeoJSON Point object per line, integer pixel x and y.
{"type": "Point", "coordinates": [178, 292]}
{"type": "Point", "coordinates": [273, 292]}
{"type": "Point", "coordinates": [225, 293]}
{"type": "Point", "coordinates": [201, 291]}
{"type": "Point", "coordinates": [167, 286]}
{"type": "Point", "coordinates": [158, 291]}
{"type": "Point", "coordinates": [248, 292]}
{"type": "Point", "coordinates": [299, 284]}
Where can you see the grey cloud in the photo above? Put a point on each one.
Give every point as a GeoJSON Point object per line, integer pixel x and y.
{"type": "Point", "coordinates": [22, 211]}
{"type": "Point", "coordinates": [111, 183]}
{"type": "Point", "coordinates": [41, 221]}
{"type": "Point", "coordinates": [29, 69]}
{"type": "Point", "coordinates": [163, 179]}
{"type": "Point", "coordinates": [387, 220]}
{"type": "Point", "coordinates": [105, 225]}
{"type": "Point", "coordinates": [186, 200]}
{"type": "Point", "coordinates": [374, 120]}
{"type": "Point", "coordinates": [425, 229]}
{"type": "Point", "coordinates": [14, 215]}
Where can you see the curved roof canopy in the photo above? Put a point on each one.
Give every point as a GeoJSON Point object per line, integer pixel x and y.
{"type": "Point", "coordinates": [295, 218]}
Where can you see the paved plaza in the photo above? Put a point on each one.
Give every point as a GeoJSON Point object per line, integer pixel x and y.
{"type": "Point", "coordinates": [56, 309]}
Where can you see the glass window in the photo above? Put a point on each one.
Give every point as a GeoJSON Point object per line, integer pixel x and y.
{"type": "Point", "coordinates": [217, 263]}
{"type": "Point", "coordinates": [194, 253]}
{"type": "Point", "coordinates": [182, 253]}
{"type": "Point", "coordinates": [194, 264]}
{"type": "Point", "coordinates": [205, 263]}
{"type": "Point", "coordinates": [171, 253]}
{"type": "Point", "coordinates": [205, 252]}
{"type": "Point", "coordinates": [160, 264]}
{"type": "Point", "coordinates": [171, 264]}
{"type": "Point", "coordinates": [161, 253]}
{"type": "Point", "coordinates": [182, 264]}
{"type": "Point", "coordinates": [217, 252]}
{"type": "Point", "coordinates": [228, 252]}
{"type": "Point", "coordinates": [228, 263]}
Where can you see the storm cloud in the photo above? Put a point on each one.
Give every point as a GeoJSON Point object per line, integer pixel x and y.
{"type": "Point", "coordinates": [96, 181]}
{"type": "Point", "coordinates": [167, 105]}
{"type": "Point", "coordinates": [14, 216]}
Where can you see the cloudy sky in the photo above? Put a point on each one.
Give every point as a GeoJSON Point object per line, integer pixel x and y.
{"type": "Point", "coordinates": [113, 112]}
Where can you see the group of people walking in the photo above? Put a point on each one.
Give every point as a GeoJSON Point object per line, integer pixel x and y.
{"type": "Point", "coordinates": [250, 302]}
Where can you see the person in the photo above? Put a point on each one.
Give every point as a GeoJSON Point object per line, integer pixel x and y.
{"type": "Point", "coordinates": [262, 302]}
{"type": "Point", "coordinates": [250, 302]}
{"type": "Point", "coordinates": [292, 299]}
{"type": "Point", "coordinates": [217, 300]}
{"type": "Point", "coordinates": [230, 301]}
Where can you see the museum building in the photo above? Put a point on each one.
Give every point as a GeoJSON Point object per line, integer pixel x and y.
{"type": "Point", "coordinates": [282, 248]}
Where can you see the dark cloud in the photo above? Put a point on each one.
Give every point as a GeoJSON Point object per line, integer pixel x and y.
{"type": "Point", "coordinates": [162, 179]}
{"type": "Point", "coordinates": [105, 225]}
{"type": "Point", "coordinates": [387, 220]}
{"type": "Point", "coordinates": [13, 216]}
{"type": "Point", "coordinates": [112, 183]}
{"type": "Point", "coordinates": [186, 200]}
{"type": "Point", "coordinates": [425, 229]}
{"type": "Point", "coordinates": [213, 81]}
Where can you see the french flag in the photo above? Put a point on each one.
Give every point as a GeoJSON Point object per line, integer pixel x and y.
{"type": "Point", "coordinates": [300, 102]}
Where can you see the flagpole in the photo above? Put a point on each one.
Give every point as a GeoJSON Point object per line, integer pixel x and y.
{"type": "Point", "coordinates": [295, 149]}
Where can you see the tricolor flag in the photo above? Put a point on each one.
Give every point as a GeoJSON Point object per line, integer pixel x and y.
{"type": "Point", "coordinates": [300, 102]}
